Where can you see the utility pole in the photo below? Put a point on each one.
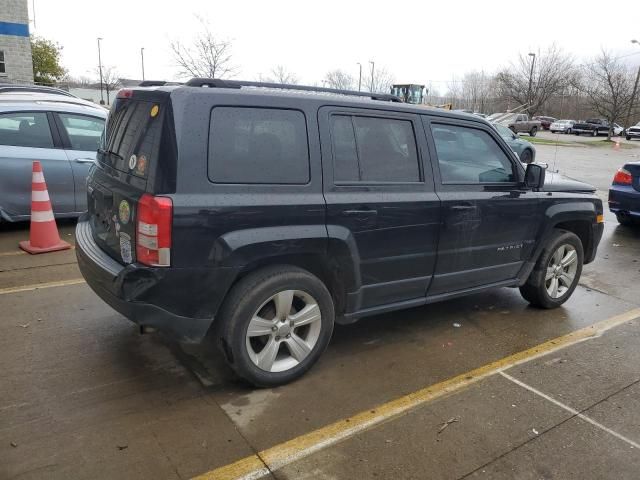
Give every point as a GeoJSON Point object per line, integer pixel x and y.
{"type": "Point", "coordinates": [142, 59]}
{"type": "Point", "coordinates": [100, 70]}
{"type": "Point", "coordinates": [373, 66]}
{"type": "Point", "coordinates": [635, 92]}
{"type": "Point", "coordinates": [530, 96]}
{"type": "Point", "coordinates": [360, 77]}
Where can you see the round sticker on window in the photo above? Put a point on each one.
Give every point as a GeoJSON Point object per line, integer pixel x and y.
{"type": "Point", "coordinates": [124, 212]}
{"type": "Point", "coordinates": [142, 164]}
{"type": "Point", "coordinates": [132, 161]}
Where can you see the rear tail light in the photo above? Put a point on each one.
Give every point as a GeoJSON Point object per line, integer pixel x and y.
{"type": "Point", "coordinates": [153, 235]}
{"type": "Point", "coordinates": [622, 177]}
{"type": "Point", "coordinates": [124, 93]}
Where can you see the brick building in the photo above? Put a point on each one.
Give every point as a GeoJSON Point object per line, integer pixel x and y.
{"type": "Point", "coordinates": [15, 47]}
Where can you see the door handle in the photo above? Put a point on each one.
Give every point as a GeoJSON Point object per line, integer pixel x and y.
{"type": "Point", "coordinates": [85, 160]}
{"type": "Point", "coordinates": [358, 213]}
{"type": "Point", "coordinates": [459, 208]}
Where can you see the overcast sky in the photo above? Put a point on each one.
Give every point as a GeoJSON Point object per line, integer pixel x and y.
{"type": "Point", "coordinates": [418, 41]}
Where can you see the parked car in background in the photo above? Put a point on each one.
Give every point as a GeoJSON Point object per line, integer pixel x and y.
{"type": "Point", "coordinates": [64, 134]}
{"type": "Point", "coordinates": [618, 129]}
{"type": "Point", "coordinates": [624, 194]}
{"type": "Point", "coordinates": [562, 126]}
{"type": "Point", "coordinates": [10, 88]}
{"type": "Point", "coordinates": [592, 126]}
{"type": "Point", "coordinates": [266, 216]}
{"type": "Point", "coordinates": [525, 150]}
{"type": "Point", "coordinates": [633, 132]}
{"type": "Point", "coordinates": [545, 121]}
{"type": "Point", "coordinates": [516, 122]}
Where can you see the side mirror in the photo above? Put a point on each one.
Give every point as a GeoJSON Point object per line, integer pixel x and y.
{"type": "Point", "coordinates": [534, 176]}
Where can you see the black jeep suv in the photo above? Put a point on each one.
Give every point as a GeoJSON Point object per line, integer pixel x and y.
{"type": "Point", "coordinates": [265, 213]}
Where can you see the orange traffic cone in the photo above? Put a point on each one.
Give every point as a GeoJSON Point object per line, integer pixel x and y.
{"type": "Point", "coordinates": [43, 236]}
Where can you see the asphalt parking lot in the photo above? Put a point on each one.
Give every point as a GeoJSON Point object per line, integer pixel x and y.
{"type": "Point", "coordinates": [483, 386]}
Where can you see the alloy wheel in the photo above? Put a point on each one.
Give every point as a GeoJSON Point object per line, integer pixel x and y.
{"type": "Point", "coordinates": [561, 271]}
{"type": "Point", "coordinates": [283, 331]}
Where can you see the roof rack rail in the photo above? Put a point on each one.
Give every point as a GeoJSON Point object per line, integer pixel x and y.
{"type": "Point", "coordinates": [219, 83]}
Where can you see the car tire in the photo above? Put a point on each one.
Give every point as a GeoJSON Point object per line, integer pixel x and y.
{"type": "Point", "coordinates": [533, 132]}
{"type": "Point", "coordinates": [577, 134]}
{"type": "Point", "coordinates": [595, 133]}
{"type": "Point", "coordinates": [551, 283]}
{"type": "Point", "coordinates": [527, 156]}
{"type": "Point", "coordinates": [286, 351]}
{"type": "Point", "coordinates": [625, 220]}
{"type": "Point", "coordinates": [628, 137]}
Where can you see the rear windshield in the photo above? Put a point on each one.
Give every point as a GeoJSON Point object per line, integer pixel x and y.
{"type": "Point", "coordinates": [132, 137]}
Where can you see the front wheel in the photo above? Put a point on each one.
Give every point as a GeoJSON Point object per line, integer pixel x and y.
{"type": "Point", "coordinates": [628, 137]}
{"type": "Point", "coordinates": [275, 324]}
{"type": "Point", "coordinates": [595, 133]}
{"type": "Point", "coordinates": [557, 271]}
{"type": "Point", "coordinates": [533, 132]}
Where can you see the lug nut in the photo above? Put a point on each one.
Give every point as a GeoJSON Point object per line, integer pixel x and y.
{"type": "Point", "coordinates": [274, 328]}
{"type": "Point", "coordinates": [288, 335]}
{"type": "Point", "coordinates": [277, 339]}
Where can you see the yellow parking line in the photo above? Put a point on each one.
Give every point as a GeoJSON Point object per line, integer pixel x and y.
{"type": "Point", "coordinates": [38, 286]}
{"type": "Point", "coordinates": [271, 459]}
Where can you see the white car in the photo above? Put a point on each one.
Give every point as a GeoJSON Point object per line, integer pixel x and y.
{"type": "Point", "coordinates": [564, 126]}
{"type": "Point", "coordinates": [617, 129]}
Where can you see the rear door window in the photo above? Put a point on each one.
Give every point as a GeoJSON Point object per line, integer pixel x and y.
{"type": "Point", "coordinates": [258, 145]}
{"type": "Point", "coordinates": [84, 132]}
{"type": "Point", "coordinates": [25, 129]}
{"type": "Point", "coordinates": [374, 149]}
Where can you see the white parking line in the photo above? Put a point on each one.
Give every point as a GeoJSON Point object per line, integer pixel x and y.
{"type": "Point", "coordinates": [38, 286]}
{"type": "Point", "coordinates": [571, 410]}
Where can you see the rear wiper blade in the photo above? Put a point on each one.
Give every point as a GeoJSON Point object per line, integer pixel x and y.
{"type": "Point", "coordinates": [110, 152]}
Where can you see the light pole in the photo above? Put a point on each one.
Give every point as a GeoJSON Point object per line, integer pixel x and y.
{"type": "Point", "coordinates": [360, 77]}
{"type": "Point", "coordinates": [142, 60]}
{"type": "Point", "coordinates": [635, 91]}
{"type": "Point", "coordinates": [100, 70]}
{"type": "Point", "coordinates": [533, 62]}
{"type": "Point", "coordinates": [373, 66]}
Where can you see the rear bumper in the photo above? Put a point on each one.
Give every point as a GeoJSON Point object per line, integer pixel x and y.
{"type": "Point", "coordinates": [625, 199]}
{"type": "Point", "coordinates": [633, 134]}
{"type": "Point", "coordinates": [179, 302]}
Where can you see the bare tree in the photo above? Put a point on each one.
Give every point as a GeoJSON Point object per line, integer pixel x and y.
{"type": "Point", "coordinates": [380, 83]}
{"type": "Point", "coordinates": [609, 87]}
{"type": "Point", "coordinates": [110, 80]}
{"type": "Point", "coordinates": [339, 79]}
{"type": "Point", "coordinates": [280, 74]}
{"type": "Point", "coordinates": [533, 80]}
{"type": "Point", "coordinates": [206, 56]}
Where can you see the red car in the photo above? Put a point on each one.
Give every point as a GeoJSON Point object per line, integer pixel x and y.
{"type": "Point", "coordinates": [545, 121]}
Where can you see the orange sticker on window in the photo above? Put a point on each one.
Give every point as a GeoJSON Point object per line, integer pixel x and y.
{"type": "Point", "coordinates": [154, 110]}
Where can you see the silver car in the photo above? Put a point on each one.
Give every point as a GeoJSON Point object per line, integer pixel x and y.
{"type": "Point", "coordinates": [63, 133]}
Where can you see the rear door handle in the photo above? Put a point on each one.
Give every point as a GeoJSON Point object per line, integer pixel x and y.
{"type": "Point", "coordinates": [359, 213]}
{"type": "Point", "coordinates": [459, 208]}
{"type": "Point", "coordinates": [85, 160]}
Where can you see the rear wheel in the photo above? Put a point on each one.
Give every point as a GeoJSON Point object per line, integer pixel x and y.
{"type": "Point", "coordinates": [533, 131]}
{"type": "Point", "coordinates": [556, 273]}
{"type": "Point", "coordinates": [624, 219]}
{"type": "Point", "coordinates": [628, 137]}
{"type": "Point", "coordinates": [275, 324]}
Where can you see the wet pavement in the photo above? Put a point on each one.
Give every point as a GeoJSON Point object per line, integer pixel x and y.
{"type": "Point", "coordinates": [82, 395]}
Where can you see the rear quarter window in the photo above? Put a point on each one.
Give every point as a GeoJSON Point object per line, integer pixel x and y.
{"type": "Point", "coordinates": [258, 145]}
